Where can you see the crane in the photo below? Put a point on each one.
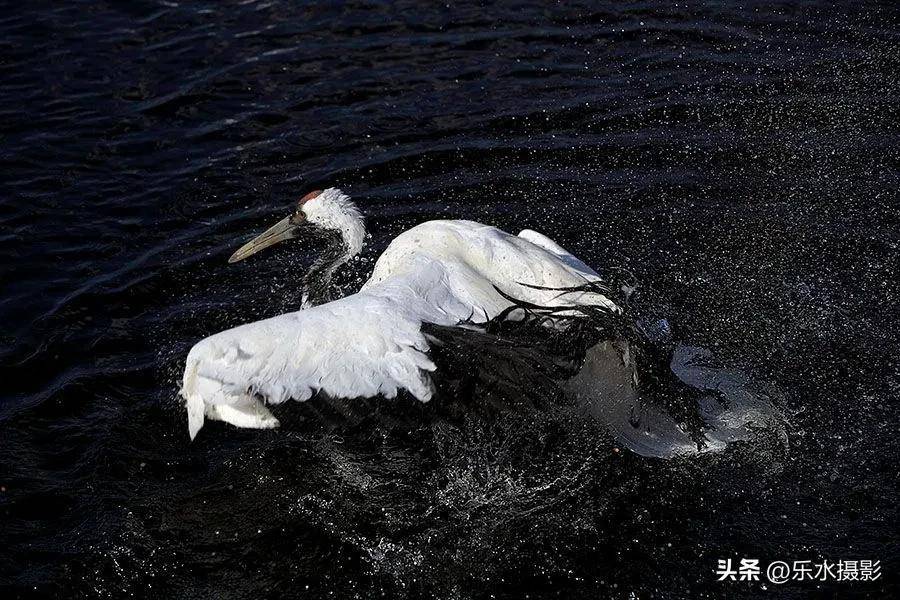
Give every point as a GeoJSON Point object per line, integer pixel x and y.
{"type": "Point", "coordinates": [371, 343]}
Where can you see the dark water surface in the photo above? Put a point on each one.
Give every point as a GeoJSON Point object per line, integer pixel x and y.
{"type": "Point", "coordinates": [742, 160]}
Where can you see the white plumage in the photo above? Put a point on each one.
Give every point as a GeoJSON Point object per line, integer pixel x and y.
{"type": "Point", "coordinates": [370, 343]}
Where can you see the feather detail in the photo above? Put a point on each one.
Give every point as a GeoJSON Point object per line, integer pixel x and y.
{"type": "Point", "coordinates": [194, 403]}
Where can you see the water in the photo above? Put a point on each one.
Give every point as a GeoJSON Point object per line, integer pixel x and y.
{"type": "Point", "coordinates": [740, 159]}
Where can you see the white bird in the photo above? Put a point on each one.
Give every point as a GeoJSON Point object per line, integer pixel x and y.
{"type": "Point", "coordinates": [371, 343]}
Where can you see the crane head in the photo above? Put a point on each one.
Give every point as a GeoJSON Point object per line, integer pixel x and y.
{"type": "Point", "coordinates": [324, 209]}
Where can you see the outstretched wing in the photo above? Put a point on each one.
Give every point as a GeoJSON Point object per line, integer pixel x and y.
{"type": "Point", "coordinates": [360, 346]}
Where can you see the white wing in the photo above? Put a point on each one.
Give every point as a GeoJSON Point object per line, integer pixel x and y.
{"type": "Point", "coordinates": [567, 257]}
{"type": "Point", "coordinates": [475, 258]}
{"type": "Point", "coordinates": [370, 343]}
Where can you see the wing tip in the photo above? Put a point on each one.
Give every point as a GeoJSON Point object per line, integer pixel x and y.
{"type": "Point", "coordinates": [194, 404]}
{"type": "Point", "coordinates": [195, 410]}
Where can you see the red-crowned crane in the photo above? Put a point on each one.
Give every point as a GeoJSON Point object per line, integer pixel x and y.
{"type": "Point", "coordinates": [371, 343]}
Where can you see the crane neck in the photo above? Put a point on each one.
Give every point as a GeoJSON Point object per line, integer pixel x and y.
{"type": "Point", "coordinates": [340, 223]}
{"type": "Point", "coordinates": [317, 282]}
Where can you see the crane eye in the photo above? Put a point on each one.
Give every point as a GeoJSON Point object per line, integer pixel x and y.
{"type": "Point", "coordinates": [298, 218]}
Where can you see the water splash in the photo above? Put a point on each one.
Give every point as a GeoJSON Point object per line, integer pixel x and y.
{"type": "Point", "coordinates": [731, 407]}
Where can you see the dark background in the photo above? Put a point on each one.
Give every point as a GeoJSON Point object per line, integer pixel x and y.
{"type": "Point", "coordinates": [740, 158]}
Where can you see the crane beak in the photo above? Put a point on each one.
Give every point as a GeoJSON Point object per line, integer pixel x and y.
{"type": "Point", "coordinates": [285, 229]}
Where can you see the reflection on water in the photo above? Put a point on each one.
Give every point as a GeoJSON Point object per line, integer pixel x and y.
{"type": "Point", "coordinates": [609, 388]}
